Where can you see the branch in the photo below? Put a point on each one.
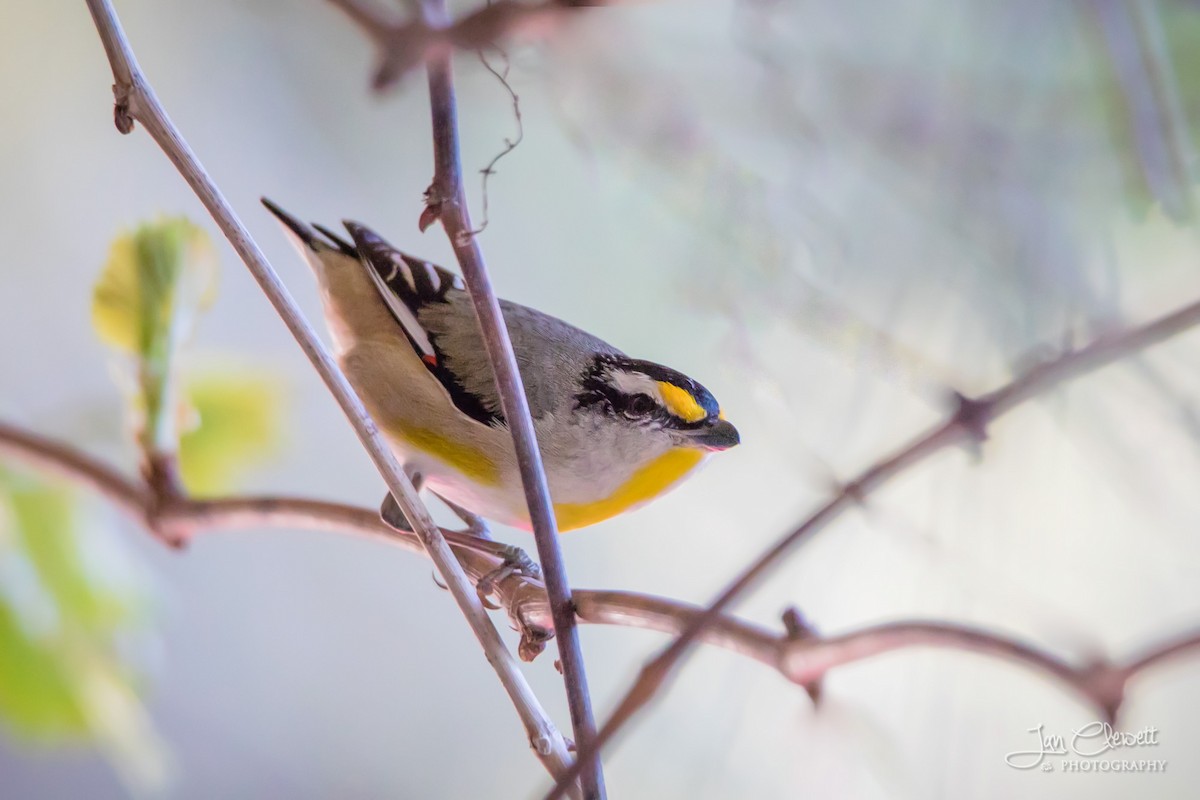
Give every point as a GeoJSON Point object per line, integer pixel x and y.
{"type": "Point", "coordinates": [804, 658]}
{"type": "Point", "coordinates": [968, 422]}
{"type": "Point", "coordinates": [405, 45]}
{"type": "Point", "coordinates": [136, 101]}
{"type": "Point", "coordinates": [796, 653]}
{"type": "Point", "coordinates": [1149, 109]}
{"type": "Point", "coordinates": [446, 200]}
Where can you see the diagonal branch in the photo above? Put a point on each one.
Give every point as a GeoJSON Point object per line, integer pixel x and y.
{"type": "Point", "coordinates": [136, 102]}
{"type": "Point", "coordinates": [796, 653]}
{"type": "Point", "coordinates": [446, 200]}
{"type": "Point", "coordinates": [968, 422]}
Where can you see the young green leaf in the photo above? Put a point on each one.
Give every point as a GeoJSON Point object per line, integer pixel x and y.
{"type": "Point", "coordinates": [155, 283]}
{"type": "Point", "coordinates": [238, 423]}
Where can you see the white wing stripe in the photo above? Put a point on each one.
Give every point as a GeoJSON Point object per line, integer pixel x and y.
{"type": "Point", "coordinates": [408, 276]}
{"type": "Point", "coordinates": [434, 278]}
{"type": "Point", "coordinates": [632, 383]}
{"type": "Point", "coordinates": [402, 313]}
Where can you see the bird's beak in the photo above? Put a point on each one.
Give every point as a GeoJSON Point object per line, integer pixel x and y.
{"type": "Point", "coordinates": [721, 435]}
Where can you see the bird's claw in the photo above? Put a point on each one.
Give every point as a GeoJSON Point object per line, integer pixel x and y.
{"type": "Point", "coordinates": [515, 562]}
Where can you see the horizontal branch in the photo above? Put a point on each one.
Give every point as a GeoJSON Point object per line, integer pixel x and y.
{"type": "Point", "coordinates": [405, 45]}
{"type": "Point", "coordinates": [968, 422]}
{"type": "Point", "coordinates": [796, 653]}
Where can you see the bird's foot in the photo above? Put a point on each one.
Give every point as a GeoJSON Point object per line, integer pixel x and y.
{"type": "Point", "coordinates": [476, 525]}
{"type": "Point", "coordinates": [515, 561]}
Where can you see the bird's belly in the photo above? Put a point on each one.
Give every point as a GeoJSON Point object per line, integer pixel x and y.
{"type": "Point", "coordinates": [434, 451]}
{"type": "Point", "coordinates": [645, 483]}
{"type": "Point", "coordinates": [505, 503]}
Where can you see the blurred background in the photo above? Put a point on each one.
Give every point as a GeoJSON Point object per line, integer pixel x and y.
{"type": "Point", "coordinates": [830, 214]}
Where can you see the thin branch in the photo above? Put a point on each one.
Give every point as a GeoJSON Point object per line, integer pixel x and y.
{"type": "Point", "coordinates": [798, 654]}
{"type": "Point", "coordinates": [136, 101]}
{"type": "Point", "coordinates": [76, 467]}
{"type": "Point", "coordinates": [446, 200]}
{"type": "Point", "coordinates": [967, 423]}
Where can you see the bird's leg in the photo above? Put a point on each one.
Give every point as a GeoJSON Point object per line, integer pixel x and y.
{"type": "Point", "coordinates": [476, 525]}
{"type": "Point", "coordinates": [389, 509]}
{"type": "Point", "coordinates": [514, 560]}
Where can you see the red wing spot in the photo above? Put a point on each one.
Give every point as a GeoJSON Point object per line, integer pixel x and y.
{"type": "Point", "coordinates": [430, 360]}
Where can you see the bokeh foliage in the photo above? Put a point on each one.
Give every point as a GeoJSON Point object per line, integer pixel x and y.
{"type": "Point", "coordinates": [65, 620]}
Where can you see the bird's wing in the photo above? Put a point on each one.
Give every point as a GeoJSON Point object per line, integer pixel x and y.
{"type": "Point", "coordinates": [410, 286]}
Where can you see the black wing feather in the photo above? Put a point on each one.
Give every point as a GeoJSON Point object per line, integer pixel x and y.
{"type": "Point", "coordinates": [416, 284]}
{"type": "Point", "coordinates": [406, 285]}
{"type": "Point", "coordinates": [342, 244]}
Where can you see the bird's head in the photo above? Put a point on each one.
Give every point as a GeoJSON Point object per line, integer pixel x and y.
{"type": "Point", "coordinates": [656, 400]}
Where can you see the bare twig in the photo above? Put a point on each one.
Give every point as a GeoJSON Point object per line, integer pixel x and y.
{"type": "Point", "coordinates": [446, 200]}
{"type": "Point", "coordinates": [968, 422]}
{"type": "Point", "coordinates": [136, 101]}
{"type": "Point", "coordinates": [796, 652]}
{"type": "Point", "coordinates": [72, 465]}
{"type": "Point", "coordinates": [405, 45]}
{"type": "Point", "coordinates": [509, 144]}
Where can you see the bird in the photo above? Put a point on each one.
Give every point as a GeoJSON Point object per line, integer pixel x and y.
{"type": "Point", "coordinates": [614, 432]}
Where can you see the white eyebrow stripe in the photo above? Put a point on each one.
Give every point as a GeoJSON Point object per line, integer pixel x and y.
{"type": "Point", "coordinates": [632, 383]}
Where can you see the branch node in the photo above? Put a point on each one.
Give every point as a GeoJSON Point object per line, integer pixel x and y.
{"type": "Point", "coordinates": [435, 205]}
{"type": "Point", "coordinates": [797, 626]}
{"type": "Point", "coordinates": [123, 107]}
{"type": "Point", "coordinates": [541, 744]}
{"type": "Point", "coordinates": [972, 416]}
{"type": "Point", "coordinates": [855, 492]}
{"type": "Point", "coordinates": [1105, 684]}
{"type": "Point", "coordinates": [533, 641]}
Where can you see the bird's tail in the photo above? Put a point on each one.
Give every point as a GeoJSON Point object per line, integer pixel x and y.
{"type": "Point", "coordinates": [308, 236]}
{"type": "Point", "coordinates": [352, 308]}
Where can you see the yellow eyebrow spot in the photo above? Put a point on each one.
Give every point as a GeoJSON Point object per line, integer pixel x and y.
{"type": "Point", "coordinates": [681, 403]}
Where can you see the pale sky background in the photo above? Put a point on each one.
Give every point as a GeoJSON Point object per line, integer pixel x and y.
{"type": "Point", "coordinates": [744, 201]}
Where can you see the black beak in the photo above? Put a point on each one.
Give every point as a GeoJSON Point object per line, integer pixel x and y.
{"type": "Point", "coordinates": [721, 435]}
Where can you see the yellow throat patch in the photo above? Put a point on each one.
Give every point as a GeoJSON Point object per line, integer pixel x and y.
{"type": "Point", "coordinates": [643, 485]}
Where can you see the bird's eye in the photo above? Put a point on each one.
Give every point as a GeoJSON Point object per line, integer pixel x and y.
{"type": "Point", "coordinates": [639, 406]}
